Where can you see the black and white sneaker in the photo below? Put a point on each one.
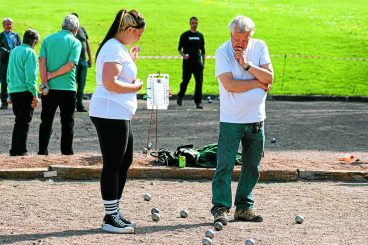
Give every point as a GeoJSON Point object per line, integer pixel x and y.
{"type": "Point", "coordinates": [113, 223]}
{"type": "Point", "coordinates": [126, 221]}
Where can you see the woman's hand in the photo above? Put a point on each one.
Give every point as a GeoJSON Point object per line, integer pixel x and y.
{"type": "Point", "coordinates": [134, 52]}
{"type": "Point", "coordinates": [138, 83]}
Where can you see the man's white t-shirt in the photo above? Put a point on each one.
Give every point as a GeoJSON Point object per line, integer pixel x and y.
{"type": "Point", "coordinates": [244, 107]}
{"type": "Point", "coordinates": [112, 105]}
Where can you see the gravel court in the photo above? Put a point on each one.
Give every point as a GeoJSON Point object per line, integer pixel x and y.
{"type": "Point", "coordinates": [48, 212]}
{"type": "Point", "coordinates": [309, 126]}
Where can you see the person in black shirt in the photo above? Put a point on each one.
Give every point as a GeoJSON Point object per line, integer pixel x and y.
{"type": "Point", "coordinates": [191, 48]}
{"type": "Point", "coordinates": [82, 67]}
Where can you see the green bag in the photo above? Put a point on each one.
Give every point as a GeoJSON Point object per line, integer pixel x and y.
{"type": "Point", "coordinates": [207, 157]}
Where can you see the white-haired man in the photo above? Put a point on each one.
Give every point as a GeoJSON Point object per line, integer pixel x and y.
{"type": "Point", "coordinates": [59, 56]}
{"type": "Point", "coordinates": [244, 72]}
{"type": "Point", "coordinates": [8, 41]}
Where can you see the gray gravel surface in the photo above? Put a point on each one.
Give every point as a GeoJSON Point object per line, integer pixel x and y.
{"type": "Point", "coordinates": [35, 212]}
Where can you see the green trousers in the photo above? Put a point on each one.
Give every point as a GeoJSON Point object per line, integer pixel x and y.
{"type": "Point", "coordinates": [251, 135]}
{"type": "Point", "coordinates": [81, 76]}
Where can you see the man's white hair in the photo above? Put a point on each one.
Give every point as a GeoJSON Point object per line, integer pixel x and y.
{"type": "Point", "coordinates": [7, 19]}
{"type": "Point", "coordinates": [242, 24]}
{"type": "Point", "coordinates": [70, 23]}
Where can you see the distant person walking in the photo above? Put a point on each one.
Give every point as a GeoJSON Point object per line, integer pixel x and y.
{"type": "Point", "coordinates": [191, 48]}
{"type": "Point", "coordinates": [59, 56]}
{"type": "Point", "coordinates": [82, 67]}
{"type": "Point", "coordinates": [113, 104]}
{"type": "Point", "coordinates": [245, 74]}
{"type": "Point", "coordinates": [22, 83]}
{"type": "Point", "coordinates": [8, 41]}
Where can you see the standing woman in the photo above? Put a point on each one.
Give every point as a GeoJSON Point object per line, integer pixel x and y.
{"type": "Point", "coordinates": [113, 105]}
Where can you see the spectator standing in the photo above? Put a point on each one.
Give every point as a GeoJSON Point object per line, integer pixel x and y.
{"type": "Point", "coordinates": [8, 41]}
{"type": "Point", "coordinates": [59, 56]}
{"type": "Point", "coordinates": [22, 83]}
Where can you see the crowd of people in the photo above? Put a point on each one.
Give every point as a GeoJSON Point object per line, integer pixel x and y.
{"type": "Point", "coordinates": [243, 69]}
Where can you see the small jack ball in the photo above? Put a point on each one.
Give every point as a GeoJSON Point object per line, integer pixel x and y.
{"type": "Point", "coordinates": [155, 211]}
{"type": "Point", "coordinates": [299, 219]}
{"type": "Point", "coordinates": [218, 226]}
{"type": "Point", "coordinates": [147, 196]}
{"type": "Point", "coordinates": [250, 242]}
{"type": "Point", "coordinates": [184, 213]}
{"type": "Point", "coordinates": [210, 233]}
{"type": "Point", "coordinates": [155, 217]}
{"type": "Point", "coordinates": [206, 241]}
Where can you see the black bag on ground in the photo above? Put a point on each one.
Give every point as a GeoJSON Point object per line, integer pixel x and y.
{"type": "Point", "coordinates": [190, 154]}
{"type": "Point", "coordinates": [165, 157]}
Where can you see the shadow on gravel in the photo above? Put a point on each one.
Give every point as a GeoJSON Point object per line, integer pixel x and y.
{"type": "Point", "coordinates": [154, 228]}
{"type": "Point", "coordinates": [9, 239]}
{"type": "Point", "coordinates": [353, 184]}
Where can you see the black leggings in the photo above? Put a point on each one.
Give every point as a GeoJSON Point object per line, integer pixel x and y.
{"type": "Point", "coordinates": [116, 143]}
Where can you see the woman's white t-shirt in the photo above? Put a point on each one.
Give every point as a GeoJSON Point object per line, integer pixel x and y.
{"type": "Point", "coordinates": [108, 104]}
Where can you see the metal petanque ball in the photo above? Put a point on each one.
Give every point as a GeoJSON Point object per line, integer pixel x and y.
{"type": "Point", "coordinates": [210, 233]}
{"type": "Point", "coordinates": [299, 219]}
{"type": "Point", "coordinates": [155, 211]}
{"type": "Point", "coordinates": [147, 196]}
{"type": "Point", "coordinates": [218, 226]}
{"type": "Point", "coordinates": [250, 242]}
{"type": "Point", "coordinates": [149, 146]}
{"type": "Point", "coordinates": [155, 217]}
{"type": "Point", "coordinates": [145, 150]}
{"type": "Point", "coordinates": [273, 140]}
{"type": "Point", "coordinates": [206, 241]}
{"type": "Point", "coordinates": [184, 213]}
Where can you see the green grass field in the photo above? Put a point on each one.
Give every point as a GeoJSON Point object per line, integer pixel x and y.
{"type": "Point", "coordinates": [333, 29]}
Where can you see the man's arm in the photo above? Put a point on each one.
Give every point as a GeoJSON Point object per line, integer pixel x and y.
{"type": "Point", "coordinates": [264, 73]}
{"type": "Point", "coordinates": [19, 39]}
{"type": "Point", "coordinates": [239, 86]}
{"type": "Point", "coordinates": [89, 54]}
{"type": "Point", "coordinates": [203, 51]}
{"type": "Point", "coordinates": [43, 70]}
{"type": "Point", "coordinates": [180, 48]}
{"type": "Point", "coordinates": [30, 68]}
{"type": "Point", "coordinates": [61, 71]}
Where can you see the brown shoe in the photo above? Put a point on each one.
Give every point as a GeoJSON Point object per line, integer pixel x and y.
{"type": "Point", "coordinates": [220, 214]}
{"type": "Point", "coordinates": [247, 215]}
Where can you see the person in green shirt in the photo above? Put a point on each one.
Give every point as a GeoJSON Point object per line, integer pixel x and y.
{"type": "Point", "coordinates": [22, 77]}
{"type": "Point", "coordinates": [59, 55]}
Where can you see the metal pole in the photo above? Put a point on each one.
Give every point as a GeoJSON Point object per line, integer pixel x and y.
{"type": "Point", "coordinates": [149, 129]}
{"type": "Point", "coordinates": [156, 147]}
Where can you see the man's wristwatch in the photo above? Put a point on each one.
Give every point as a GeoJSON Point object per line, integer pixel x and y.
{"type": "Point", "coordinates": [248, 66]}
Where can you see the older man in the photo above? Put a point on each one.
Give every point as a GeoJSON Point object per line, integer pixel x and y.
{"type": "Point", "coordinates": [8, 41]}
{"type": "Point", "coordinates": [245, 74]}
{"type": "Point", "coordinates": [59, 56]}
